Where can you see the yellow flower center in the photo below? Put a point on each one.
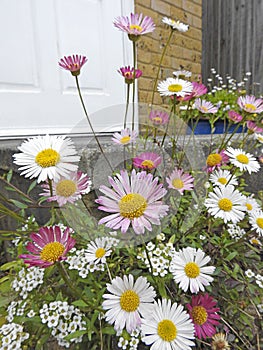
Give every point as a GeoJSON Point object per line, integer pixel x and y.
{"type": "Point", "coordinates": [249, 206]}
{"type": "Point", "coordinates": [157, 120]}
{"type": "Point", "coordinates": [242, 158]}
{"type": "Point", "coordinates": [100, 252]}
{"type": "Point", "coordinates": [222, 180]}
{"type": "Point", "coordinates": [199, 315]}
{"type": "Point", "coordinates": [129, 301]}
{"type": "Point", "coordinates": [192, 270]}
{"type": "Point", "coordinates": [132, 205]}
{"type": "Point", "coordinates": [213, 159]}
{"type": "Point", "coordinates": [52, 251]}
{"type": "Point", "coordinates": [225, 204]}
{"type": "Point", "coordinates": [255, 241]}
{"type": "Point", "coordinates": [148, 164]}
{"type": "Point", "coordinates": [167, 330]}
{"type": "Point", "coordinates": [250, 106]}
{"type": "Point", "coordinates": [47, 158]}
{"type": "Point", "coordinates": [259, 222]}
{"type": "Point", "coordinates": [125, 139]}
{"type": "Point", "coordinates": [66, 188]}
{"type": "Point", "coordinates": [178, 183]}
{"type": "Point", "coordinates": [175, 88]}
{"type": "Point", "coordinates": [137, 27]}
{"type": "Point", "coordinates": [204, 109]}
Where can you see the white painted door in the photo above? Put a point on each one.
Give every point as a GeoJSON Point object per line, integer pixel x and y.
{"type": "Point", "coordinates": [36, 95]}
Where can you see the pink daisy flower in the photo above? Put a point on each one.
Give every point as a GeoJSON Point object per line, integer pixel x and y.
{"type": "Point", "coordinates": [159, 117]}
{"type": "Point", "coordinates": [204, 315]}
{"type": "Point", "coordinates": [128, 74]}
{"type": "Point", "coordinates": [67, 189]}
{"type": "Point", "coordinates": [216, 160]}
{"type": "Point", "coordinates": [180, 181]}
{"type": "Point", "coordinates": [234, 116]}
{"type": "Point", "coordinates": [198, 90]}
{"type": "Point", "coordinates": [253, 126]}
{"type": "Point", "coordinates": [250, 104]}
{"type": "Point", "coordinates": [147, 161]}
{"type": "Point", "coordinates": [125, 137]}
{"type": "Point", "coordinates": [73, 63]}
{"type": "Point", "coordinates": [135, 200]}
{"type": "Point", "coordinates": [205, 106]}
{"type": "Point", "coordinates": [135, 25]}
{"type": "Point", "coordinates": [49, 245]}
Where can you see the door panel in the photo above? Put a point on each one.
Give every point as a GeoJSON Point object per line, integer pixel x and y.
{"type": "Point", "coordinates": [36, 95]}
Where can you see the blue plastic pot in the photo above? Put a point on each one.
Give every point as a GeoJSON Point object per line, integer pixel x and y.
{"type": "Point", "coordinates": [203, 127]}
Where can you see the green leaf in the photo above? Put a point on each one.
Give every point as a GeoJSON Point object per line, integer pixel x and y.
{"type": "Point", "coordinates": [76, 334]}
{"type": "Point", "coordinates": [79, 303]}
{"type": "Point", "coordinates": [18, 204]}
{"type": "Point", "coordinates": [33, 185]}
{"type": "Point", "coordinates": [9, 265]}
{"type": "Point", "coordinates": [108, 330]}
{"type": "Point", "coordinates": [9, 175]}
{"type": "Point", "coordinates": [231, 256]}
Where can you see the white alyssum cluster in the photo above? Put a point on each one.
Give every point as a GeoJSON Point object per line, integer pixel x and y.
{"type": "Point", "coordinates": [258, 277]}
{"type": "Point", "coordinates": [235, 231]}
{"type": "Point", "coordinates": [130, 341]}
{"type": "Point", "coordinates": [11, 336]}
{"type": "Point", "coordinates": [159, 256]}
{"type": "Point", "coordinates": [15, 308]}
{"type": "Point", "coordinates": [27, 280]}
{"type": "Point", "coordinates": [63, 319]}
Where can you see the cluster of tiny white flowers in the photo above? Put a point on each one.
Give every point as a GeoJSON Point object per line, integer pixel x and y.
{"type": "Point", "coordinates": [235, 231]}
{"type": "Point", "coordinates": [15, 308]}
{"type": "Point", "coordinates": [11, 336]}
{"type": "Point", "coordinates": [27, 280]}
{"type": "Point", "coordinates": [29, 221]}
{"type": "Point", "coordinates": [79, 260]}
{"type": "Point", "coordinates": [132, 341]}
{"type": "Point", "coordinates": [259, 278]}
{"type": "Point", "coordinates": [160, 257]}
{"type": "Point", "coordinates": [231, 84]}
{"type": "Point", "coordinates": [63, 319]}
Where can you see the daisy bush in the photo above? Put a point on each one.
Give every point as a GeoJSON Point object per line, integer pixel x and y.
{"type": "Point", "coordinates": [160, 247]}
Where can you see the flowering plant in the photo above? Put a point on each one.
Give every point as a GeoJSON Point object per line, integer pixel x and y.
{"type": "Point", "coordinates": [167, 256]}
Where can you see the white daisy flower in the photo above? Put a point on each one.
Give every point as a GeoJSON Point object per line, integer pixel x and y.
{"type": "Point", "coordinates": [259, 137]}
{"type": "Point", "coordinates": [125, 137]}
{"type": "Point", "coordinates": [226, 203]}
{"type": "Point", "coordinates": [256, 221]}
{"type": "Point", "coordinates": [176, 25]}
{"type": "Point", "coordinates": [98, 250]}
{"type": "Point", "coordinates": [222, 177]}
{"type": "Point", "coordinates": [251, 204]}
{"type": "Point", "coordinates": [187, 267]}
{"type": "Point", "coordinates": [182, 74]}
{"type": "Point", "coordinates": [47, 157]}
{"type": "Point", "coordinates": [255, 241]}
{"type": "Point", "coordinates": [174, 86]}
{"type": "Point", "coordinates": [168, 327]}
{"type": "Point", "coordinates": [127, 302]}
{"type": "Point", "coordinates": [242, 160]}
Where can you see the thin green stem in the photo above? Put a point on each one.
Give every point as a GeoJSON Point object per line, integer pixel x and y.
{"type": "Point", "coordinates": [90, 125]}
{"type": "Point", "coordinates": [133, 86]}
{"type": "Point", "coordinates": [127, 106]}
{"type": "Point", "coordinates": [159, 66]}
{"type": "Point", "coordinates": [67, 280]}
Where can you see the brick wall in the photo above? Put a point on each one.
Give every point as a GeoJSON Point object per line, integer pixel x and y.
{"type": "Point", "coordinates": [184, 51]}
